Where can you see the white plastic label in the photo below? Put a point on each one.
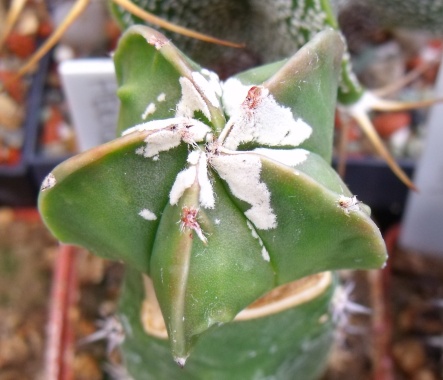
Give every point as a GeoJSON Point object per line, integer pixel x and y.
{"type": "Point", "coordinates": [90, 87]}
{"type": "Point", "coordinates": [423, 222]}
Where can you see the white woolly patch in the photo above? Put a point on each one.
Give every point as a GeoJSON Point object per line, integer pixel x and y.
{"type": "Point", "coordinates": [48, 182]}
{"type": "Point", "coordinates": [184, 180]}
{"type": "Point", "coordinates": [161, 97]}
{"type": "Point", "coordinates": [199, 163]}
{"type": "Point", "coordinates": [191, 100]}
{"type": "Point", "coordinates": [264, 252]}
{"type": "Point", "coordinates": [206, 195]}
{"type": "Point", "coordinates": [168, 134]}
{"type": "Point", "coordinates": [150, 109]}
{"type": "Point", "coordinates": [193, 131]}
{"type": "Point", "coordinates": [234, 93]}
{"type": "Point", "coordinates": [253, 231]}
{"type": "Point", "coordinates": [214, 81]}
{"type": "Point", "coordinates": [159, 141]}
{"type": "Point", "coordinates": [193, 157]}
{"type": "Point", "coordinates": [348, 204]}
{"type": "Point", "coordinates": [288, 157]}
{"type": "Point", "coordinates": [207, 88]}
{"type": "Point", "coordinates": [242, 173]}
{"type": "Point", "coordinates": [155, 125]}
{"type": "Point", "coordinates": [265, 122]}
{"type": "Point", "coordinates": [147, 214]}
{"type": "Point", "coordinates": [158, 43]}
{"type": "Point", "coordinates": [180, 361]}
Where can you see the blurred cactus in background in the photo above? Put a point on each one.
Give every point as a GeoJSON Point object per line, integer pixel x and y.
{"type": "Point", "coordinates": [216, 195]}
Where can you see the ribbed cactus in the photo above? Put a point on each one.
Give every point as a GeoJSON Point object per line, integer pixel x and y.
{"type": "Point", "coordinates": [217, 193]}
{"type": "Point", "coordinates": [272, 30]}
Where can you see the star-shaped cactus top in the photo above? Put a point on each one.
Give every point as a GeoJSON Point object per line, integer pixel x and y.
{"type": "Point", "coordinates": [218, 191]}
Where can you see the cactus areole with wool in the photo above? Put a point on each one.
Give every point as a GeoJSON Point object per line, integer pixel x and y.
{"type": "Point", "coordinates": [219, 192]}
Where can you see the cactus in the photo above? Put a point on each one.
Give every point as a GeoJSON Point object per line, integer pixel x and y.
{"type": "Point", "coordinates": [289, 24]}
{"type": "Point", "coordinates": [217, 194]}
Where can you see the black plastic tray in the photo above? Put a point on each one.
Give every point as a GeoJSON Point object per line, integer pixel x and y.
{"type": "Point", "coordinates": [17, 188]}
{"type": "Point", "coordinates": [39, 164]}
{"type": "Point", "coordinates": [375, 184]}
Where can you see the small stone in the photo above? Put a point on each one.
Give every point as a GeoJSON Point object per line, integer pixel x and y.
{"type": "Point", "coordinates": [11, 113]}
{"type": "Point", "coordinates": [86, 368]}
{"type": "Point", "coordinates": [409, 355]}
{"type": "Point", "coordinates": [28, 23]}
{"type": "Point", "coordinates": [424, 374]}
{"type": "Point", "coordinates": [6, 216]}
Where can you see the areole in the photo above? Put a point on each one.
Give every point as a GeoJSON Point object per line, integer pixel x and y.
{"type": "Point", "coordinates": [279, 299]}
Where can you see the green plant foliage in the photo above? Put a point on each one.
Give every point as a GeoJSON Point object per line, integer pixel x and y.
{"type": "Point", "coordinates": [218, 192]}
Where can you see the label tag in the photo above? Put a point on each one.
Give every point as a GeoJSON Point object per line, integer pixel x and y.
{"type": "Point", "coordinates": [423, 221]}
{"type": "Point", "coordinates": [90, 87]}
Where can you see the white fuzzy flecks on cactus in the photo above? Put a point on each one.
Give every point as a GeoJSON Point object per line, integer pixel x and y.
{"type": "Point", "coordinates": [214, 82]}
{"type": "Point", "coordinates": [169, 133]}
{"type": "Point", "coordinates": [264, 251]}
{"type": "Point", "coordinates": [197, 172]}
{"type": "Point", "coordinates": [261, 120]}
{"type": "Point", "coordinates": [242, 174]}
{"type": "Point", "coordinates": [348, 204]}
{"type": "Point", "coordinates": [209, 90]}
{"type": "Point", "coordinates": [288, 157]}
{"type": "Point", "coordinates": [258, 118]}
{"type": "Point", "coordinates": [147, 214]}
{"type": "Point", "coordinates": [49, 182]}
{"type": "Point", "coordinates": [191, 100]}
{"type": "Point", "coordinates": [150, 109]}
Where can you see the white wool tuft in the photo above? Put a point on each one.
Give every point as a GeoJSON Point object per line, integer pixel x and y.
{"type": "Point", "coordinates": [150, 109]}
{"type": "Point", "coordinates": [147, 214]}
{"type": "Point", "coordinates": [184, 180]}
{"type": "Point", "coordinates": [207, 88]}
{"type": "Point", "coordinates": [193, 157]}
{"type": "Point", "coordinates": [234, 93]}
{"type": "Point", "coordinates": [160, 141]}
{"type": "Point", "coordinates": [288, 157]}
{"type": "Point", "coordinates": [267, 123]}
{"type": "Point", "coordinates": [198, 171]}
{"type": "Point", "coordinates": [214, 81]}
{"type": "Point", "coordinates": [168, 134]}
{"type": "Point", "coordinates": [207, 199]}
{"type": "Point", "coordinates": [48, 182]}
{"type": "Point", "coordinates": [191, 100]}
{"type": "Point", "coordinates": [242, 173]}
{"type": "Point", "coordinates": [265, 254]}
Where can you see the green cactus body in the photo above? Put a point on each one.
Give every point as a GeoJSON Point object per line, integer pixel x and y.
{"type": "Point", "coordinates": [218, 192]}
{"type": "Point", "coordinates": [288, 344]}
